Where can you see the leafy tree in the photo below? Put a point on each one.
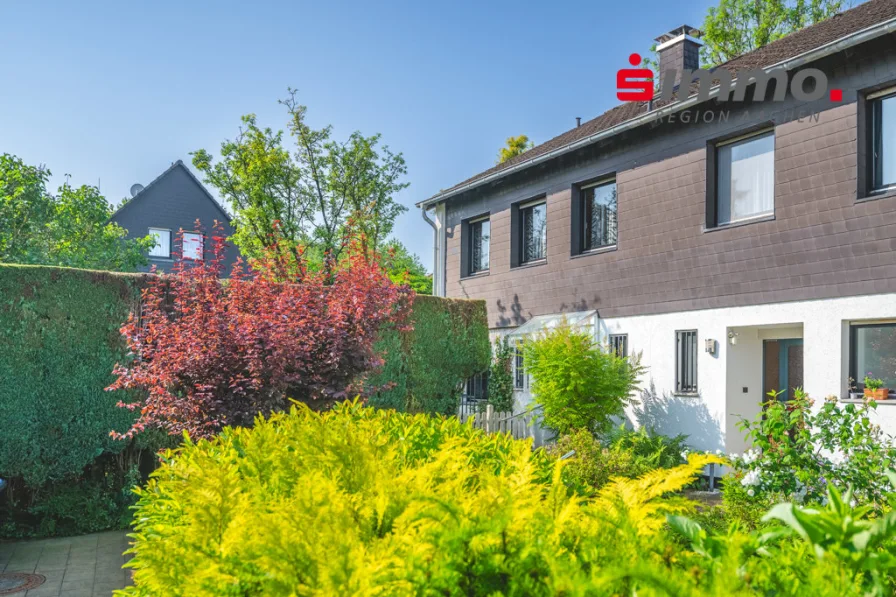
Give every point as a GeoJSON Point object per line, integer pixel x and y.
{"type": "Point", "coordinates": [515, 146]}
{"type": "Point", "coordinates": [406, 267]}
{"type": "Point", "coordinates": [208, 354]}
{"type": "Point", "coordinates": [70, 229]}
{"type": "Point", "coordinates": [323, 195]}
{"type": "Point", "coordinates": [735, 27]}
{"type": "Point", "coordinates": [579, 385]}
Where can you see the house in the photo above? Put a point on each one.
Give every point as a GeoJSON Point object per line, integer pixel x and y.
{"type": "Point", "coordinates": [741, 246]}
{"type": "Point", "coordinates": [174, 201]}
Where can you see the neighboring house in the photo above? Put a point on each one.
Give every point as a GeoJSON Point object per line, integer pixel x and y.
{"type": "Point", "coordinates": [738, 254]}
{"type": "Point", "coordinates": [174, 201]}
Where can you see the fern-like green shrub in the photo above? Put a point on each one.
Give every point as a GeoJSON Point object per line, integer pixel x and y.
{"type": "Point", "coordinates": [579, 384]}
{"type": "Point", "coordinates": [358, 501]}
{"type": "Point", "coordinates": [621, 453]}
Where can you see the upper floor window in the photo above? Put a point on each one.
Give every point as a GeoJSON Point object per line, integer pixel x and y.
{"type": "Point", "coordinates": [162, 237]}
{"type": "Point", "coordinates": [480, 235]}
{"type": "Point", "coordinates": [745, 179]}
{"type": "Point", "coordinates": [883, 140]}
{"type": "Point", "coordinates": [598, 218]}
{"type": "Point", "coordinates": [192, 246]}
{"type": "Point", "coordinates": [534, 232]}
{"type": "Point", "coordinates": [872, 353]}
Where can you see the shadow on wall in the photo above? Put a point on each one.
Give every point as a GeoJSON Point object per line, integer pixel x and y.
{"type": "Point", "coordinates": [671, 415]}
{"type": "Point", "coordinates": [515, 317]}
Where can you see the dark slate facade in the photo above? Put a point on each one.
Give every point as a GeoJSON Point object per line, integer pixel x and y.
{"type": "Point", "coordinates": [173, 202]}
{"type": "Point", "coordinates": [828, 237]}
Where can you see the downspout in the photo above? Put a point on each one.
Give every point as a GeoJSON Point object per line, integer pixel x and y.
{"type": "Point", "coordinates": [436, 261]}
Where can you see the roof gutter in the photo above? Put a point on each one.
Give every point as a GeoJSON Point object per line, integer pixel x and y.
{"type": "Point", "coordinates": [833, 47]}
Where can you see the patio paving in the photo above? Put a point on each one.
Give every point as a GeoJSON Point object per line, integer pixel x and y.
{"type": "Point", "coordinates": [86, 566]}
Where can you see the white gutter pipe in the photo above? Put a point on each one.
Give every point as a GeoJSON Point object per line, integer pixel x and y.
{"type": "Point", "coordinates": [436, 273]}
{"type": "Point", "coordinates": [833, 47]}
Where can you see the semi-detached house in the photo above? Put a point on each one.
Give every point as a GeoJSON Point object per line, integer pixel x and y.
{"type": "Point", "coordinates": [740, 247]}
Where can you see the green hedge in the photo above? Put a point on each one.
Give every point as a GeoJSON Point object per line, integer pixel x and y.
{"type": "Point", "coordinates": [59, 341]}
{"type": "Point", "coordinates": [425, 368]}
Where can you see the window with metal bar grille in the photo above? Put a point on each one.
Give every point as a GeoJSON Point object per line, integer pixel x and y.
{"type": "Point", "coordinates": [686, 361]}
{"type": "Point", "coordinates": [619, 344]}
{"type": "Point", "coordinates": [519, 379]}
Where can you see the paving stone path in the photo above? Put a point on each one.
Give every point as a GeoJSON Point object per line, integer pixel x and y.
{"type": "Point", "coordinates": [86, 566]}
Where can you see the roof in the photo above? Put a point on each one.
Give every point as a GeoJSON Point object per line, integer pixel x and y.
{"type": "Point", "coordinates": [175, 165]}
{"type": "Point", "coordinates": [841, 25]}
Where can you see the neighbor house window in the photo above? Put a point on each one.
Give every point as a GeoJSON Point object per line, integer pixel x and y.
{"type": "Point", "coordinates": [745, 179]}
{"type": "Point", "coordinates": [619, 344]}
{"type": "Point", "coordinates": [598, 219]}
{"type": "Point", "coordinates": [534, 232]}
{"type": "Point", "coordinates": [873, 353]}
{"type": "Point", "coordinates": [883, 139]}
{"type": "Point", "coordinates": [480, 235]}
{"type": "Point", "coordinates": [192, 246]}
{"type": "Point", "coordinates": [519, 371]}
{"type": "Point", "coordinates": [162, 237]}
{"type": "Point", "coordinates": [686, 362]}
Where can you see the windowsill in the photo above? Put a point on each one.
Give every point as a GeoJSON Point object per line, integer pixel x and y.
{"type": "Point", "coordinates": [597, 251]}
{"type": "Point", "coordinates": [739, 223]}
{"type": "Point", "coordinates": [886, 193]}
{"type": "Point", "coordinates": [170, 259]}
{"type": "Point", "coordinates": [530, 264]}
{"type": "Point", "coordinates": [687, 394]}
{"type": "Point", "coordinates": [481, 274]}
{"type": "Point", "coordinates": [857, 398]}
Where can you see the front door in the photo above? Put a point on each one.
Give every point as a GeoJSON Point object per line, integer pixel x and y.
{"type": "Point", "coordinates": [782, 367]}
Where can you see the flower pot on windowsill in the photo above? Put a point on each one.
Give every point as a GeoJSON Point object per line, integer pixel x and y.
{"type": "Point", "coordinates": [878, 394]}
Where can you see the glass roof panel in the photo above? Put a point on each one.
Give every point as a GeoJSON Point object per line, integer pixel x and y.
{"type": "Point", "coordinates": [542, 323]}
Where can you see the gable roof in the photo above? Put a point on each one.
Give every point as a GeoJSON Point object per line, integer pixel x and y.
{"type": "Point", "coordinates": [174, 166]}
{"type": "Point", "coordinates": [862, 23]}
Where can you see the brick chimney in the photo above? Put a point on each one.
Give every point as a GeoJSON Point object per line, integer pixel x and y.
{"type": "Point", "coordinates": [679, 50]}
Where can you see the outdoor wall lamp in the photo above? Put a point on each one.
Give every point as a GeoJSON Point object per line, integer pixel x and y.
{"type": "Point", "coordinates": [732, 338]}
{"type": "Point", "coordinates": [711, 346]}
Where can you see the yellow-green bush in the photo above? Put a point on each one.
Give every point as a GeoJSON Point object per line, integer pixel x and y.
{"type": "Point", "coordinates": [358, 501]}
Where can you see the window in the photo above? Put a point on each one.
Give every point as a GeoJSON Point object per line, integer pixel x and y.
{"type": "Point", "coordinates": [686, 362]}
{"type": "Point", "coordinates": [192, 246]}
{"type": "Point", "coordinates": [480, 235]}
{"type": "Point", "coordinates": [745, 179]}
{"type": "Point", "coordinates": [598, 219]}
{"type": "Point", "coordinates": [619, 344]}
{"type": "Point", "coordinates": [883, 139]}
{"type": "Point", "coordinates": [477, 387]}
{"type": "Point", "coordinates": [163, 242]}
{"type": "Point", "coordinates": [872, 352]}
{"type": "Point", "coordinates": [534, 232]}
{"type": "Point", "coordinates": [519, 377]}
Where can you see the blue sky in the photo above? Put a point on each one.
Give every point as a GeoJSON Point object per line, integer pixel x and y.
{"type": "Point", "coordinates": [116, 91]}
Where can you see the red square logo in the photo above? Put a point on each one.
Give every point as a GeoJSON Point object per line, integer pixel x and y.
{"type": "Point", "coordinates": [836, 95]}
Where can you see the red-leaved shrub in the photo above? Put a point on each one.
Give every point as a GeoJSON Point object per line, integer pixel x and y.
{"type": "Point", "coordinates": [209, 352]}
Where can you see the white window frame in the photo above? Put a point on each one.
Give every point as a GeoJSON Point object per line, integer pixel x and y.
{"type": "Point", "coordinates": [152, 252]}
{"type": "Point", "coordinates": [732, 141]}
{"type": "Point", "coordinates": [201, 238]}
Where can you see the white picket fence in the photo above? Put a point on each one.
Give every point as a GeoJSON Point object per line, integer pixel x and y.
{"type": "Point", "coordinates": [520, 426]}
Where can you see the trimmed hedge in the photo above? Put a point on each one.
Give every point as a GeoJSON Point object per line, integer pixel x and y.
{"type": "Point", "coordinates": [426, 367]}
{"type": "Point", "coordinates": [59, 340]}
